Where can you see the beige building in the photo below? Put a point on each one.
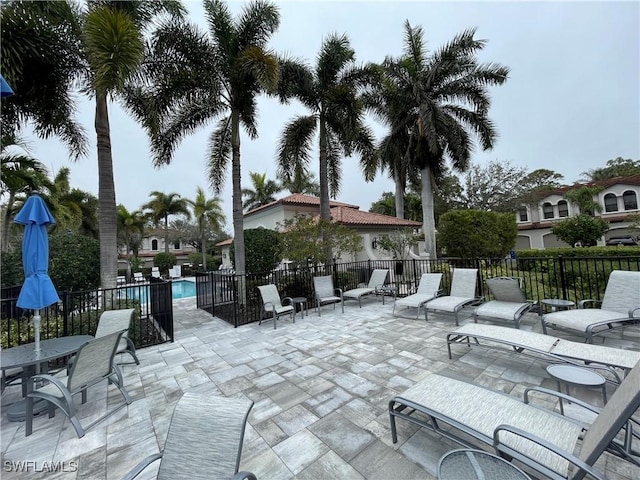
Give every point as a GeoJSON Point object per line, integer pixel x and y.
{"type": "Point", "coordinates": [618, 199]}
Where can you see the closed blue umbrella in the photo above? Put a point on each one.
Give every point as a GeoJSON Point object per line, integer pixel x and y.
{"type": "Point", "coordinates": [5, 89]}
{"type": "Point", "coordinates": [37, 290]}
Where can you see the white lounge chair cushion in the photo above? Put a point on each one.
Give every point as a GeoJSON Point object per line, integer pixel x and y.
{"type": "Point", "coordinates": [502, 310]}
{"type": "Point", "coordinates": [358, 292]}
{"type": "Point", "coordinates": [415, 300]}
{"type": "Point", "coordinates": [580, 319]}
{"type": "Point", "coordinates": [483, 410]}
{"type": "Point", "coordinates": [448, 303]}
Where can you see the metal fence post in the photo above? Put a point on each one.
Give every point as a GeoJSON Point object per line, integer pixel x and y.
{"type": "Point", "coordinates": [65, 314]}
{"type": "Point", "coordinates": [563, 278]}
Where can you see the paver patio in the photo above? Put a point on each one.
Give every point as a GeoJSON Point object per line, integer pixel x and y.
{"type": "Point", "coordinates": [320, 387]}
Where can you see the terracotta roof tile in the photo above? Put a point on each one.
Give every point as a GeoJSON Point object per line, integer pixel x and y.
{"type": "Point", "coordinates": [299, 199]}
{"type": "Point", "coordinates": [351, 216]}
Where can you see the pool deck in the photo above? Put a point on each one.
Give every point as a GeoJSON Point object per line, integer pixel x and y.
{"type": "Point", "coordinates": [320, 385]}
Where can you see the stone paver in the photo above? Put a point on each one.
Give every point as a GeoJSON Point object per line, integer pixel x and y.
{"type": "Point", "coordinates": [320, 387]}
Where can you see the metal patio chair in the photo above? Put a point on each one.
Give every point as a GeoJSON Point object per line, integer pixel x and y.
{"type": "Point", "coordinates": [378, 279]}
{"type": "Point", "coordinates": [116, 321]}
{"type": "Point", "coordinates": [324, 292]}
{"type": "Point", "coordinates": [272, 304]}
{"type": "Point", "coordinates": [428, 289]}
{"type": "Point", "coordinates": [462, 294]}
{"type": "Point", "coordinates": [509, 301]}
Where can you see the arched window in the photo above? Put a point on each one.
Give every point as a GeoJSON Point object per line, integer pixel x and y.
{"type": "Point", "coordinates": [176, 245]}
{"type": "Point", "coordinates": [523, 215]}
{"type": "Point", "coordinates": [563, 209]}
{"type": "Point", "coordinates": [630, 200]}
{"type": "Point", "coordinates": [610, 203]}
{"type": "Point", "coordinates": [154, 244]}
{"type": "Point", "coordinates": [547, 210]}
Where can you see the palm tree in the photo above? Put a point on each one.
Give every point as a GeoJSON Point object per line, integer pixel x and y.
{"type": "Point", "coordinates": [198, 78]}
{"type": "Point", "coordinates": [20, 174]}
{"type": "Point", "coordinates": [583, 198]}
{"type": "Point", "coordinates": [331, 94]}
{"type": "Point", "coordinates": [130, 232]}
{"type": "Point", "coordinates": [262, 193]}
{"type": "Point", "coordinates": [301, 182]}
{"type": "Point", "coordinates": [162, 206]}
{"type": "Point", "coordinates": [208, 213]}
{"type": "Point", "coordinates": [442, 102]}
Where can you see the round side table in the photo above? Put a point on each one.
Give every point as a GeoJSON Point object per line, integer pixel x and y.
{"type": "Point", "coordinates": [557, 304]}
{"type": "Point", "coordinates": [302, 301]}
{"type": "Point", "coordinates": [470, 464]}
{"type": "Point", "coordinates": [578, 376]}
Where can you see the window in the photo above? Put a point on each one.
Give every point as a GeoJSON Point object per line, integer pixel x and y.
{"type": "Point", "coordinates": [176, 245]}
{"type": "Point", "coordinates": [563, 209]}
{"type": "Point", "coordinates": [523, 215]}
{"type": "Point", "coordinates": [547, 210]}
{"type": "Point", "coordinates": [630, 200]}
{"type": "Point", "coordinates": [154, 244]}
{"type": "Point", "coordinates": [610, 203]}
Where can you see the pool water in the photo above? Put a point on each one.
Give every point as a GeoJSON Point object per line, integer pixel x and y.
{"type": "Point", "coordinates": [179, 289]}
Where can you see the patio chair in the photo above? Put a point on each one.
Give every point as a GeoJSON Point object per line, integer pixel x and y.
{"type": "Point", "coordinates": [121, 280]}
{"type": "Point", "coordinates": [509, 303]}
{"type": "Point", "coordinates": [155, 272]}
{"type": "Point", "coordinates": [463, 293]}
{"type": "Point", "coordinates": [271, 303]}
{"type": "Point", "coordinates": [92, 364]}
{"type": "Point", "coordinates": [541, 439]}
{"type": "Point", "coordinates": [428, 289]}
{"type": "Point", "coordinates": [115, 321]}
{"type": "Point", "coordinates": [138, 277]}
{"type": "Point", "coordinates": [620, 307]}
{"type": "Point", "coordinates": [378, 279]}
{"type": "Point", "coordinates": [204, 440]}
{"type": "Point", "coordinates": [325, 293]}
{"type": "Point", "coordinates": [549, 348]}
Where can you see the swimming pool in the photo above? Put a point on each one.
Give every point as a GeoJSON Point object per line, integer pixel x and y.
{"type": "Point", "coordinates": [179, 289]}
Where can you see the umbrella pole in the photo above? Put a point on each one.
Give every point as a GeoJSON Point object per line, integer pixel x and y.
{"type": "Point", "coordinates": [36, 329]}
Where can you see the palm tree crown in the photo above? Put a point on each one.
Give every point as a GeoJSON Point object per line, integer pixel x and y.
{"type": "Point", "coordinates": [262, 193]}
{"type": "Point", "coordinates": [209, 215]}
{"type": "Point", "coordinates": [161, 206]}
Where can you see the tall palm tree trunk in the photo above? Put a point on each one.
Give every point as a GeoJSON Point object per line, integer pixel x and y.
{"type": "Point", "coordinates": [399, 184]}
{"type": "Point", "coordinates": [203, 246]}
{"type": "Point", "coordinates": [428, 218]}
{"type": "Point", "coordinates": [325, 202]}
{"type": "Point", "coordinates": [106, 197]}
{"type": "Point", "coordinates": [238, 219]}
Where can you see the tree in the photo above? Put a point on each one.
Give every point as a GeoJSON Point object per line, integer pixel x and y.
{"type": "Point", "coordinates": [617, 167]}
{"type": "Point", "coordinates": [330, 92]}
{"type": "Point", "coordinates": [387, 206]}
{"type": "Point", "coordinates": [301, 182]}
{"type": "Point", "coordinates": [493, 187]}
{"type": "Point", "coordinates": [195, 78]}
{"type": "Point", "coordinates": [398, 243]}
{"type": "Point", "coordinates": [262, 193]}
{"type": "Point", "coordinates": [583, 198]}
{"type": "Point", "coordinates": [477, 234]}
{"type": "Point", "coordinates": [263, 250]}
{"type": "Point", "coordinates": [130, 232]}
{"type": "Point", "coordinates": [582, 229]}
{"type": "Point", "coordinates": [162, 206]}
{"type": "Point", "coordinates": [442, 101]}
{"type": "Point", "coordinates": [532, 185]}
{"type": "Point", "coordinates": [307, 240]}
{"type": "Point", "coordinates": [208, 214]}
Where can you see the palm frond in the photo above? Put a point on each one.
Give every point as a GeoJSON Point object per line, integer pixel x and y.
{"type": "Point", "coordinates": [258, 21]}
{"type": "Point", "coordinates": [334, 168]}
{"type": "Point", "coordinates": [294, 148]}
{"type": "Point", "coordinates": [219, 154]}
{"type": "Point", "coordinates": [296, 81]}
{"type": "Point", "coordinates": [261, 65]}
{"type": "Point", "coordinates": [335, 54]}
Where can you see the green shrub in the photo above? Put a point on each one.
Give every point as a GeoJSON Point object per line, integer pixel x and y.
{"type": "Point", "coordinates": [164, 261]}
{"type": "Point", "coordinates": [262, 250]}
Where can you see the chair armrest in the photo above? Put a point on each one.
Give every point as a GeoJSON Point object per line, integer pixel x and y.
{"type": "Point", "coordinates": [244, 476]}
{"type": "Point", "coordinates": [135, 471]}
{"type": "Point", "coordinates": [588, 301]}
{"type": "Point", "coordinates": [55, 381]}
{"type": "Point", "coordinates": [290, 300]}
{"type": "Point", "coordinates": [338, 291]}
{"type": "Point", "coordinates": [633, 310]}
{"type": "Point", "coordinates": [545, 444]}
{"type": "Point", "coordinates": [564, 396]}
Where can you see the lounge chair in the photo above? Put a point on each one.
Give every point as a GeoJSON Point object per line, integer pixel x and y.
{"type": "Point", "coordinates": [509, 303]}
{"type": "Point", "coordinates": [204, 440]}
{"type": "Point", "coordinates": [546, 346]}
{"type": "Point", "coordinates": [138, 277]}
{"type": "Point", "coordinates": [325, 293]}
{"type": "Point", "coordinates": [155, 272]}
{"type": "Point", "coordinates": [175, 271]}
{"type": "Point", "coordinates": [377, 280]}
{"type": "Point", "coordinates": [620, 308]}
{"type": "Point", "coordinates": [428, 289]}
{"type": "Point", "coordinates": [541, 439]}
{"type": "Point", "coordinates": [463, 293]}
{"type": "Point", "coordinates": [121, 280]}
{"type": "Point", "coordinates": [271, 303]}
{"type": "Point", "coordinates": [115, 321]}
{"type": "Point", "coordinates": [91, 365]}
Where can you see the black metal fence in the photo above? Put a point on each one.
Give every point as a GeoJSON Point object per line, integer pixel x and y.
{"type": "Point", "coordinates": [78, 313]}
{"type": "Point", "coordinates": [236, 299]}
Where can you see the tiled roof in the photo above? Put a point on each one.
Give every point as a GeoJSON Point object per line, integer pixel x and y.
{"type": "Point", "coordinates": [350, 216]}
{"type": "Point", "coordinates": [224, 243]}
{"type": "Point", "coordinates": [298, 199]}
{"type": "Point", "coordinates": [609, 182]}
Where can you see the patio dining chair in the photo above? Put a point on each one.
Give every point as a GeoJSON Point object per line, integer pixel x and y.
{"type": "Point", "coordinates": [462, 294]}
{"type": "Point", "coordinates": [620, 307]}
{"type": "Point", "coordinates": [428, 289]}
{"type": "Point", "coordinates": [325, 293]}
{"type": "Point", "coordinates": [116, 321]}
{"type": "Point", "coordinates": [93, 364]}
{"type": "Point", "coordinates": [378, 279]}
{"type": "Point", "coordinates": [204, 440]}
{"type": "Point", "coordinates": [509, 301]}
{"type": "Point", "coordinates": [271, 303]}
{"type": "Point", "coordinates": [138, 277]}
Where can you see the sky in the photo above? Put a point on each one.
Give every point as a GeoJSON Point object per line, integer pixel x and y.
{"type": "Point", "coordinates": [571, 102]}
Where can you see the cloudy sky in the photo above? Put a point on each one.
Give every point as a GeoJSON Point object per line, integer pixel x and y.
{"type": "Point", "coordinates": [572, 100]}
